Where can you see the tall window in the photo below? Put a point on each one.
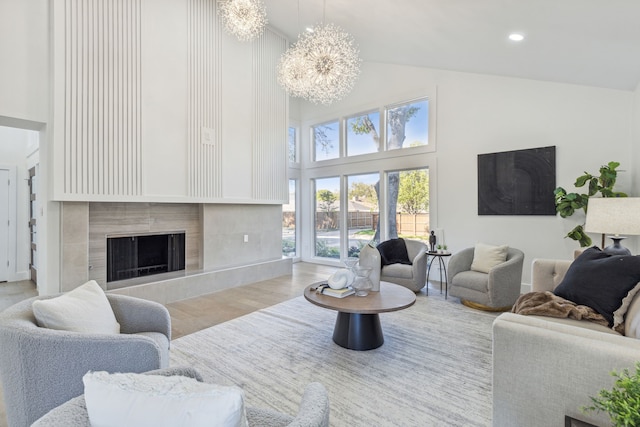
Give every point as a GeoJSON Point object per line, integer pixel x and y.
{"type": "Point", "coordinates": [326, 141]}
{"type": "Point", "coordinates": [362, 214]}
{"type": "Point", "coordinates": [289, 223]}
{"type": "Point", "coordinates": [362, 135]}
{"type": "Point", "coordinates": [293, 145]}
{"type": "Point", "coordinates": [327, 217]}
{"type": "Point", "coordinates": [407, 124]}
{"type": "Point", "coordinates": [408, 203]}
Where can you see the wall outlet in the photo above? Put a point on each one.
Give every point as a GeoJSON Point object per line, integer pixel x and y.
{"type": "Point", "coordinates": [246, 238]}
{"type": "Point", "coordinates": [207, 136]}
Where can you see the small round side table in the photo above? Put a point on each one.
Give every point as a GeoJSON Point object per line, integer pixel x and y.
{"type": "Point", "coordinates": [443, 267]}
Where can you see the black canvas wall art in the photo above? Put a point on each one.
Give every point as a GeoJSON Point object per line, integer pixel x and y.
{"type": "Point", "coordinates": [517, 182]}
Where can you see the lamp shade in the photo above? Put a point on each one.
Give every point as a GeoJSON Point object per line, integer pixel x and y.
{"type": "Point", "coordinates": [613, 215]}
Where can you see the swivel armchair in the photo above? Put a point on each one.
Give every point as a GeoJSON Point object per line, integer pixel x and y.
{"type": "Point", "coordinates": [412, 275]}
{"type": "Point", "coordinates": [496, 290]}
{"type": "Point", "coordinates": [42, 368]}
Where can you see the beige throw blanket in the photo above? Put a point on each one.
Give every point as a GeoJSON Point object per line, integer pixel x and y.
{"type": "Point", "coordinates": [549, 304]}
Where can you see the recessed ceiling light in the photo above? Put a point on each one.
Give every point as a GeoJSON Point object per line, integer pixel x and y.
{"type": "Point", "coordinates": [309, 29]}
{"type": "Point", "coordinates": [516, 37]}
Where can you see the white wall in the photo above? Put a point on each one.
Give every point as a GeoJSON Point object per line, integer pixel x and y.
{"type": "Point", "coordinates": [479, 114]}
{"type": "Point", "coordinates": [635, 146]}
{"type": "Point", "coordinates": [23, 52]}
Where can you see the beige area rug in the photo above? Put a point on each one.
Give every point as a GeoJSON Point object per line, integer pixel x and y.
{"type": "Point", "coordinates": [434, 368]}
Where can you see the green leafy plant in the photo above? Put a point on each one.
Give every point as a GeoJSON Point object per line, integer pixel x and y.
{"type": "Point", "coordinates": [568, 203]}
{"type": "Point", "coordinates": [622, 402]}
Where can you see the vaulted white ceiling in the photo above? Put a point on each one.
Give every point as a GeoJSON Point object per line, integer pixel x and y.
{"type": "Point", "coordinates": [585, 42]}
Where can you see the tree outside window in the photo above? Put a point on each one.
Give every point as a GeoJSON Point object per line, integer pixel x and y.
{"type": "Point", "coordinates": [361, 136]}
{"type": "Point", "coordinates": [327, 217]}
{"type": "Point", "coordinates": [362, 214]}
{"type": "Point", "coordinates": [326, 139]}
{"type": "Point", "coordinates": [407, 126]}
{"type": "Point", "coordinates": [289, 222]}
{"type": "Point", "coordinates": [412, 211]}
{"type": "Point", "coordinates": [292, 140]}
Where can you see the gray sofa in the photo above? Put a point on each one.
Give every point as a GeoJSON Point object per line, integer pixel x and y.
{"type": "Point", "coordinates": [42, 368]}
{"type": "Point", "coordinates": [545, 368]}
{"type": "Point", "coordinates": [313, 410]}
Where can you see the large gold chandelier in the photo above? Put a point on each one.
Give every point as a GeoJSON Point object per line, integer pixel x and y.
{"type": "Point", "coordinates": [322, 66]}
{"type": "Point", "coordinates": [244, 19]}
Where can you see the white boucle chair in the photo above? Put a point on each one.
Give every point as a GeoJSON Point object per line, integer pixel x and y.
{"type": "Point", "coordinates": [312, 412]}
{"type": "Point", "coordinates": [42, 368]}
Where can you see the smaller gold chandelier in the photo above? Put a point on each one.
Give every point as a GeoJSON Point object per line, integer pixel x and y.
{"type": "Point", "coordinates": [244, 19]}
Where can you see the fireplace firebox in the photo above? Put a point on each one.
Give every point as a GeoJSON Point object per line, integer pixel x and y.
{"type": "Point", "coordinates": [140, 255]}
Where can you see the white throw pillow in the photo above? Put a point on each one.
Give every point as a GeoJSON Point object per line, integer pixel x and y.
{"type": "Point", "coordinates": [485, 257]}
{"type": "Point", "coordinates": [116, 400]}
{"type": "Point", "coordinates": [84, 309]}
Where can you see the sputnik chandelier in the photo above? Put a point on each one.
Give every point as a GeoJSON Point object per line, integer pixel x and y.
{"type": "Point", "coordinates": [322, 66]}
{"type": "Point", "coordinates": [244, 19]}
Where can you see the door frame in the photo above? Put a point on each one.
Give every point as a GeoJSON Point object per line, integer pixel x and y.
{"type": "Point", "coordinates": [13, 224]}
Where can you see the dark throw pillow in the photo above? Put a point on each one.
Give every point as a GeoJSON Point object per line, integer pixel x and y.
{"type": "Point", "coordinates": [600, 281]}
{"type": "Point", "coordinates": [393, 251]}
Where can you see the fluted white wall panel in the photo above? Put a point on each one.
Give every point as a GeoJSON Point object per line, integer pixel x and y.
{"type": "Point", "coordinates": [102, 97]}
{"type": "Point", "coordinates": [205, 100]}
{"type": "Point", "coordinates": [269, 139]}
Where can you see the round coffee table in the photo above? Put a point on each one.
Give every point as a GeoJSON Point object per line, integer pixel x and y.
{"type": "Point", "coordinates": [358, 322]}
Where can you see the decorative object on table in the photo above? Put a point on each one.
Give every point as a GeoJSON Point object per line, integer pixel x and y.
{"type": "Point", "coordinates": [322, 66]}
{"type": "Point", "coordinates": [370, 257]}
{"type": "Point", "coordinates": [614, 215]}
{"type": "Point", "coordinates": [245, 19]}
{"type": "Point", "coordinates": [519, 182]}
{"type": "Point", "coordinates": [444, 249]}
{"type": "Point", "coordinates": [439, 249]}
{"type": "Point", "coordinates": [362, 285]}
{"type": "Point", "coordinates": [432, 241]}
{"type": "Point", "coordinates": [341, 278]}
{"type": "Point", "coordinates": [350, 262]}
{"type": "Point", "coordinates": [621, 402]}
{"type": "Point", "coordinates": [324, 289]}
{"type": "Point", "coordinates": [568, 203]}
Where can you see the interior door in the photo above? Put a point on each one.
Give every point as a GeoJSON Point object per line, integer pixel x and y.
{"type": "Point", "coordinates": [33, 209]}
{"type": "Point", "coordinates": [4, 225]}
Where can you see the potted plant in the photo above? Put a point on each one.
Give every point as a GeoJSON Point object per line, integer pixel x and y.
{"type": "Point", "coordinates": [439, 248]}
{"type": "Point", "coordinates": [444, 249]}
{"type": "Point", "coordinates": [568, 203]}
{"type": "Point", "coordinates": [622, 402]}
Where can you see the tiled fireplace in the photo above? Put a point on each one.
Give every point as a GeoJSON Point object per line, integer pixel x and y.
{"type": "Point", "coordinates": [214, 256]}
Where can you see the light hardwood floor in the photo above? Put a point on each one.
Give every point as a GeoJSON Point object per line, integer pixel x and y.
{"type": "Point", "coordinates": [191, 315]}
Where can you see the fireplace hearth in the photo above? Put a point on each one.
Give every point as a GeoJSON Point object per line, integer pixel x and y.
{"type": "Point", "coordinates": [141, 255]}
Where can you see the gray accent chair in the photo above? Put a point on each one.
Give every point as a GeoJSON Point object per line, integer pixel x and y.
{"type": "Point", "coordinates": [312, 412]}
{"type": "Point", "coordinates": [412, 276]}
{"type": "Point", "coordinates": [497, 290]}
{"type": "Point", "coordinates": [42, 368]}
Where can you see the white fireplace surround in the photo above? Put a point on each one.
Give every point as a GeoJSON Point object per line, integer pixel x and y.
{"type": "Point", "coordinates": [216, 255]}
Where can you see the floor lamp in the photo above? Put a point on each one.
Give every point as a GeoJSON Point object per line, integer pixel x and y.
{"type": "Point", "coordinates": [615, 216]}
